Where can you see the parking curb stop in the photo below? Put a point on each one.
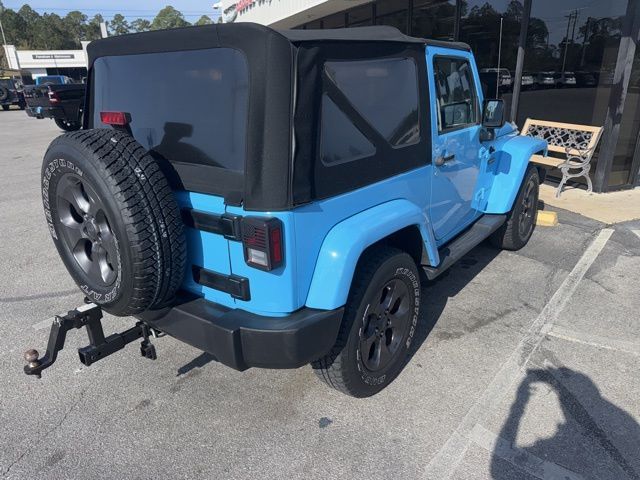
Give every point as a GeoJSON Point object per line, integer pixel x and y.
{"type": "Point", "coordinates": [547, 219]}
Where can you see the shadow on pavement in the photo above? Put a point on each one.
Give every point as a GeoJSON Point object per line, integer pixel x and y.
{"type": "Point", "coordinates": [198, 362]}
{"type": "Point", "coordinates": [436, 293]}
{"type": "Point", "coordinates": [580, 447]}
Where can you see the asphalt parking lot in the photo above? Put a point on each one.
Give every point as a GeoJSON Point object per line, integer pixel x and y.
{"type": "Point", "coordinates": [527, 369]}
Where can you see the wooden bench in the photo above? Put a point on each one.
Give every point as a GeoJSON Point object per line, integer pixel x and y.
{"type": "Point", "coordinates": [576, 142]}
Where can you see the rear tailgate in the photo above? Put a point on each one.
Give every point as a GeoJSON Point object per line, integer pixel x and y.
{"type": "Point", "coordinates": [36, 96]}
{"type": "Point", "coordinates": [192, 117]}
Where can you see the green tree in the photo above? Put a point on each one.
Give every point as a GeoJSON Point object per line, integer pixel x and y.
{"type": "Point", "coordinates": [76, 24]}
{"type": "Point", "coordinates": [119, 25]}
{"type": "Point", "coordinates": [14, 27]}
{"type": "Point", "coordinates": [140, 25]}
{"type": "Point", "coordinates": [204, 20]}
{"type": "Point", "coordinates": [92, 30]}
{"type": "Point", "coordinates": [168, 17]}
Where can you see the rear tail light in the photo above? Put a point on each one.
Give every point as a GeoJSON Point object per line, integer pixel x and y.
{"type": "Point", "coordinates": [53, 97]}
{"type": "Point", "coordinates": [115, 118]}
{"type": "Point", "coordinates": [262, 242]}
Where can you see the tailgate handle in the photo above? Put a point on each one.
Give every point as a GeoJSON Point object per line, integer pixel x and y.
{"type": "Point", "coordinates": [226, 224]}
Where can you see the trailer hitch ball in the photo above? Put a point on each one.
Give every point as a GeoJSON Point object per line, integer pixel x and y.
{"type": "Point", "coordinates": [31, 357]}
{"type": "Point", "coordinates": [33, 363]}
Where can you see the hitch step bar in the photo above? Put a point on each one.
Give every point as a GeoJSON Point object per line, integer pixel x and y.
{"type": "Point", "coordinates": [88, 316]}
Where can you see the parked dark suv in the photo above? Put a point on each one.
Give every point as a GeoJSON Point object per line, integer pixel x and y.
{"type": "Point", "coordinates": [11, 93]}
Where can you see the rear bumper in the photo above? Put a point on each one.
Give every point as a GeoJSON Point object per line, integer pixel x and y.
{"type": "Point", "coordinates": [46, 112]}
{"type": "Point", "coordinates": [240, 339]}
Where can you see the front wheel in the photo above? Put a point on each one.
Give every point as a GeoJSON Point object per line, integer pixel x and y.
{"type": "Point", "coordinates": [6, 107]}
{"type": "Point", "coordinates": [67, 125]}
{"type": "Point", "coordinates": [521, 220]}
{"type": "Point", "coordinates": [379, 323]}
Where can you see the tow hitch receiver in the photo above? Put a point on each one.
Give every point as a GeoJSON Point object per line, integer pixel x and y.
{"type": "Point", "coordinates": [99, 347]}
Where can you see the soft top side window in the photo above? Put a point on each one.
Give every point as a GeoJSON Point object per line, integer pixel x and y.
{"type": "Point", "coordinates": [456, 93]}
{"type": "Point", "coordinates": [383, 93]}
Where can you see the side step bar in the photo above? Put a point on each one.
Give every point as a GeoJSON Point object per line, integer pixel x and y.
{"type": "Point", "coordinates": [460, 246]}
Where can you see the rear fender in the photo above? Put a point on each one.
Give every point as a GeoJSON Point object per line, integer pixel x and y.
{"type": "Point", "coordinates": [512, 159]}
{"type": "Point", "coordinates": [345, 242]}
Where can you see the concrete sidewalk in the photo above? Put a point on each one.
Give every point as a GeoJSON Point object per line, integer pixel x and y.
{"type": "Point", "coordinates": [608, 208]}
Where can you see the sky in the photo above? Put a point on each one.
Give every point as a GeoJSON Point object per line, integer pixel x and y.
{"type": "Point", "coordinates": [192, 9]}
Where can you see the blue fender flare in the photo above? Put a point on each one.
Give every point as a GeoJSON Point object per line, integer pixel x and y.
{"type": "Point", "coordinates": [345, 242]}
{"type": "Point", "coordinates": [512, 154]}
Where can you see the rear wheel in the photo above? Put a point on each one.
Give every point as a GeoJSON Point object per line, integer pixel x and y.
{"type": "Point", "coordinates": [67, 125]}
{"type": "Point", "coordinates": [521, 221]}
{"type": "Point", "coordinates": [378, 326]}
{"type": "Point", "coordinates": [6, 107]}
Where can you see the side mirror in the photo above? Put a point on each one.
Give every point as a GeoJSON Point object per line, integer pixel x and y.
{"type": "Point", "coordinates": [493, 113]}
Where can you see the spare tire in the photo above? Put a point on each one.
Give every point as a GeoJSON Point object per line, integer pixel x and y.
{"type": "Point", "coordinates": [4, 94]}
{"type": "Point", "coordinates": [114, 220]}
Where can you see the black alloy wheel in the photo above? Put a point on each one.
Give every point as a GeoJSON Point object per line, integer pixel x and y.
{"type": "Point", "coordinates": [114, 220]}
{"type": "Point", "coordinates": [387, 322]}
{"type": "Point", "coordinates": [521, 220]}
{"type": "Point", "coordinates": [86, 230]}
{"type": "Point", "coordinates": [379, 323]}
{"type": "Point", "coordinates": [528, 208]}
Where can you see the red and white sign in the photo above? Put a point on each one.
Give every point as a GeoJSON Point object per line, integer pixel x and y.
{"type": "Point", "coordinates": [242, 4]}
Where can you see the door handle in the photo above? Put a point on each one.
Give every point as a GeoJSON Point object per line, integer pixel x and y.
{"type": "Point", "coordinates": [441, 160]}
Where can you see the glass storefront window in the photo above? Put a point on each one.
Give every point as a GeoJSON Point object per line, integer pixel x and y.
{"type": "Point", "coordinates": [570, 57]}
{"type": "Point", "coordinates": [480, 27]}
{"type": "Point", "coordinates": [621, 173]}
{"type": "Point", "coordinates": [571, 54]}
{"type": "Point", "coordinates": [360, 16]}
{"type": "Point", "coordinates": [334, 21]}
{"type": "Point", "coordinates": [394, 13]}
{"type": "Point", "coordinates": [577, 47]}
{"type": "Point", "coordinates": [433, 19]}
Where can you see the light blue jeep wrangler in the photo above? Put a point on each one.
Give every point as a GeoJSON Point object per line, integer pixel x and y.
{"type": "Point", "coordinates": [277, 198]}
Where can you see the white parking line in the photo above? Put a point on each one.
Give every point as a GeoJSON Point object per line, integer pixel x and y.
{"type": "Point", "coordinates": [446, 461]}
{"type": "Point", "coordinates": [637, 232]}
{"type": "Point", "coordinates": [501, 448]}
{"type": "Point", "coordinates": [595, 340]}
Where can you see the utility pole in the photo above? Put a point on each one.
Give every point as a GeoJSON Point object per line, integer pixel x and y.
{"type": "Point", "coordinates": [499, 53]}
{"type": "Point", "coordinates": [4, 39]}
{"type": "Point", "coordinates": [584, 41]}
{"type": "Point", "coordinates": [566, 38]}
{"type": "Point", "coordinates": [517, 85]}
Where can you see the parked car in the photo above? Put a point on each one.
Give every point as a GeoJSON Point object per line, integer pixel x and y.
{"type": "Point", "coordinates": [56, 97]}
{"type": "Point", "coordinates": [564, 80]}
{"type": "Point", "coordinates": [545, 80]}
{"type": "Point", "coordinates": [283, 211]}
{"type": "Point", "coordinates": [527, 81]}
{"type": "Point", "coordinates": [11, 93]}
{"type": "Point", "coordinates": [586, 79]}
{"type": "Point", "coordinates": [504, 81]}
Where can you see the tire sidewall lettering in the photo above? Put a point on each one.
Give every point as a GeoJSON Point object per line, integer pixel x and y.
{"type": "Point", "coordinates": [51, 174]}
{"type": "Point", "coordinates": [405, 274]}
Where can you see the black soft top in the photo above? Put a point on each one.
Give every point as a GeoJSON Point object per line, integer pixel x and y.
{"type": "Point", "coordinates": [282, 168]}
{"type": "Point", "coordinates": [378, 33]}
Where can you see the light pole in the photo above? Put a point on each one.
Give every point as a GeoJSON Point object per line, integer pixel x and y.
{"type": "Point", "coordinates": [4, 39]}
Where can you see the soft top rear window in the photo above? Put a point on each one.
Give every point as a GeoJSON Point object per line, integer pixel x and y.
{"type": "Point", "coordinates": [188, 106]}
